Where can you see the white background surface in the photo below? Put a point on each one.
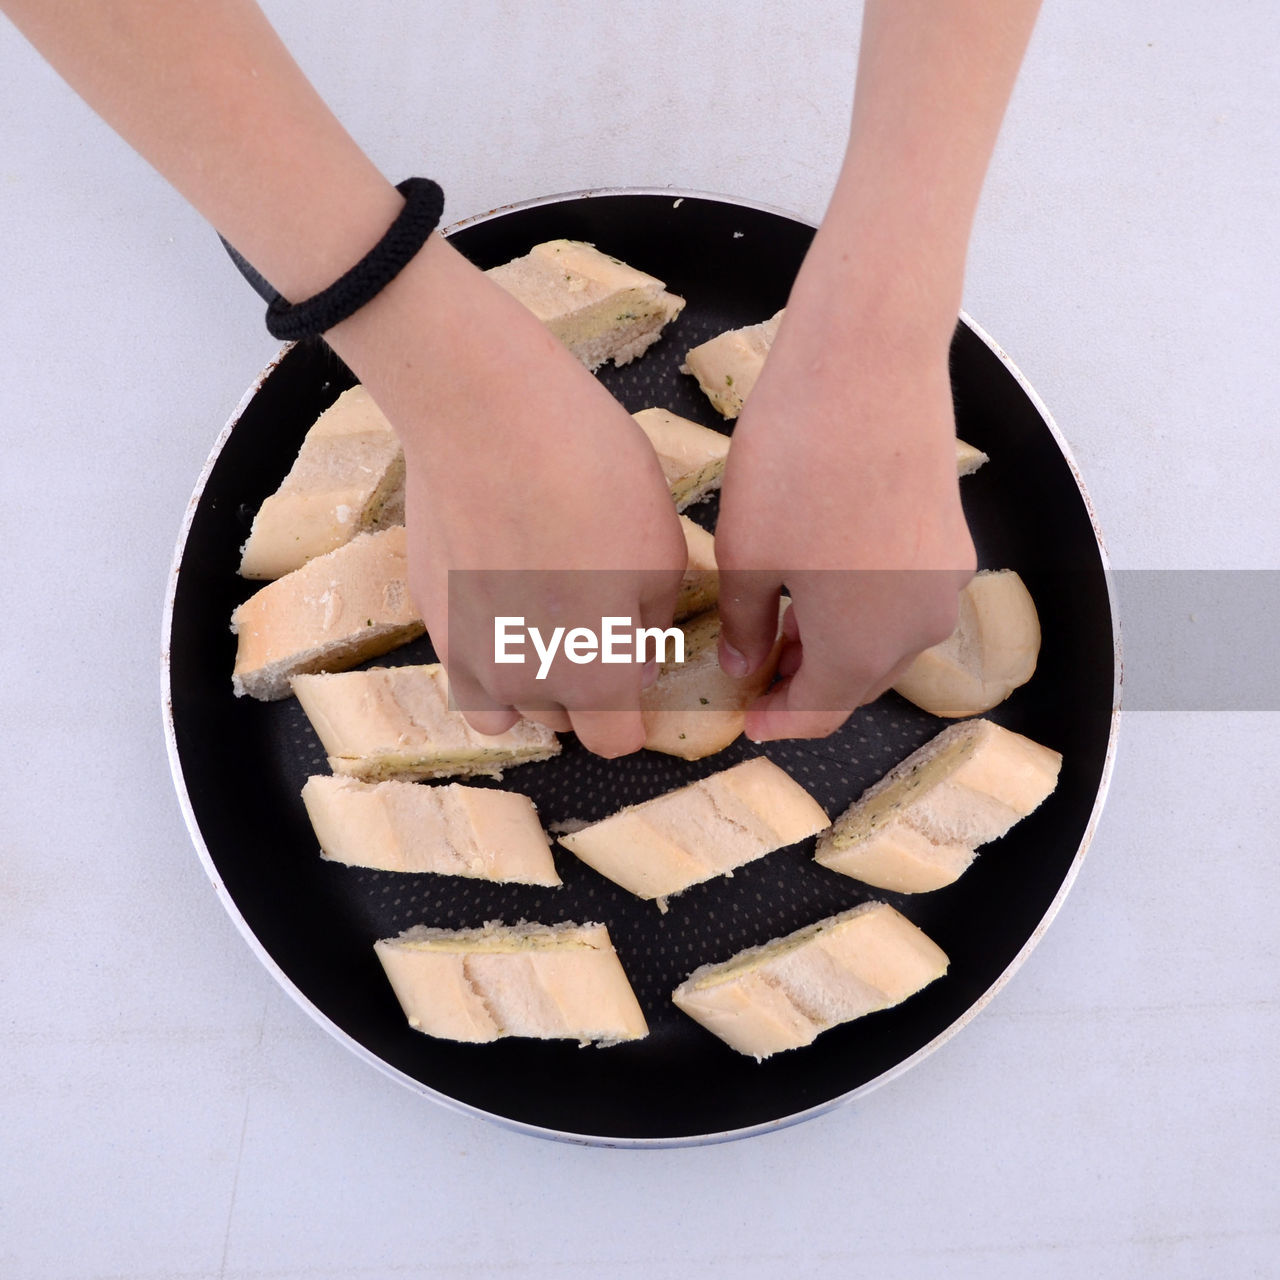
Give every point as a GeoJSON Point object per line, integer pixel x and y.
{"type": "Point", "coordinates": [167, 1112]}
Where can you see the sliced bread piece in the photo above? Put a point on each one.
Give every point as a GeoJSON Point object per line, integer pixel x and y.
{"type": "Point", "coordinates": [560, 981]}
{"type": "Point", "coordinates": [348, 477]}
{"type": "Point", "coordinates": [782, 995]}
{"type": "Point", "coordinates": [337, 610]}
{"type": "Point", "coordinates": [396, 722]}
{"type": "Point", "coordinates": [479, 832]}
{"type": "Point", "coordinates": [599, 307]}
{"type": "Point", "coordinates": [692, 456]}
{"type": "Point", "coordinates": [917, 828]}
{"type": "Point", "coordinates": [700, 586]}
{"type": "Point", "coordinates": [728, 365]}
{"type": "Point", "coordinates": [992, 651]}
{"type": "Point", "coordinates": [694, 709]}
{"type": "Point", "coordinates": [696, 832]}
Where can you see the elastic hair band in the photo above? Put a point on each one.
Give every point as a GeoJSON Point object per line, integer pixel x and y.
{"type": "Point", "coordinates": [291, 322]}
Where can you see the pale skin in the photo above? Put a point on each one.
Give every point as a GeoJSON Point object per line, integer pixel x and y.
{"type": "Point", "coordinates": [842, 458]}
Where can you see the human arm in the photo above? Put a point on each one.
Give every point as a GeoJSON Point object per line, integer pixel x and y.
{"type": "Point", "coordinates": [209, 95]}
{"type": "Point", "coordinates": [841, 481]}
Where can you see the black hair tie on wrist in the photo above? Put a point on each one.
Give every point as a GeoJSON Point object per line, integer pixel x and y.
{"type": "Point", "coordinates": [291, 322]}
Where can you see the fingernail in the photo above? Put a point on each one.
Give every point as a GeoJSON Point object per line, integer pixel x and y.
{"type": "Point", "coordinates": [733, 662]}
{"type": "Point", "coordinates": [648, 675]}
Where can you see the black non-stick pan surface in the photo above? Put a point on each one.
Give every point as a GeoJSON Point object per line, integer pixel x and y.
{"type": "Point", "coordinates": [239, 764]}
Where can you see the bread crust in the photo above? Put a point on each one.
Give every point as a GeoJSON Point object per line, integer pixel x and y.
{"type": "Point", "coordinates": [479, 832]}
{"type": "Point", "coordinates": [543, 981]}
{"type": "Point", "coordinates": [660, 847]}
{"type": "Point", "coordinates": [335, 611]}
{"type": "Point", "coordinates": [992, 652]}
{"type": "Point", "coordinates": [728, 365]}
{"type": "Point", "coordinates": [692, 456]}
{"type": "Point", "coordinates": [784, 994]}
{"type": "Point", "coordinates": [599, 307]}
{"type": "Point", "coordinates": [918, 828]}
{"type": "Point", "coordinates": [348, 478]}
{"type": "Point", "coordinates": [396, 722]}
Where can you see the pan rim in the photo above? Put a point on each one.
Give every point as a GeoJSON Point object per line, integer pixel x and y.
{"type": "Point", "coordinates": [506, 1122]}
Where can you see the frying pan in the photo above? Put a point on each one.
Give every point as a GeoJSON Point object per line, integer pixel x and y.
{"type": "Point", "coordinates": [239, 765]}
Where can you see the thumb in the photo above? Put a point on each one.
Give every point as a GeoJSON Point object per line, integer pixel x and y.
{"type": "Point", "coordinates": [748, 618]}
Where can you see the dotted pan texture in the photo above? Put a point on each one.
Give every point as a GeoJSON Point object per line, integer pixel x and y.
{"type": "Point", "coordinates": [244, 763]}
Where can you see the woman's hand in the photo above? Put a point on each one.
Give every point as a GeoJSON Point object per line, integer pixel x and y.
{"type": "Point", "coordinates": [841, 483]}
{"type": "Point", "coordinates": [528, 483]}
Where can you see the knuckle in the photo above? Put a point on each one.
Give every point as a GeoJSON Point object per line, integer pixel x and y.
{"type": "Point", "coordinates": [507, 687]}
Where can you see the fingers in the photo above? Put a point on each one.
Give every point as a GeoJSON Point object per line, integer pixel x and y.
{"type": "Point", "coordinates": [748, 619]}
{"type": "Point", "coordinates": [603, 704]}
{"type": "Point", "coordinates": [591, 687]}
{"type": "Point", "coordinates": [853, 646]}
{"type": "Point", "coordinates": [793, 709]}
{"type": "Point", "coordinates": [790, 658]}
{"type": "Point", "coordinates": [494, 722]}
{"type": "Point", "coordinates": [802, 705]}
{"type": "Point", "coordinates": [483, 712]}
{"type": "Point", "coordinates": [603, 731]}
{"type": "Point", "coordinates": [609, 733]}
{"type": "Point", "coordinates": [600, 705]}
{"type": "Point", "coordinates": [599, 701]}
